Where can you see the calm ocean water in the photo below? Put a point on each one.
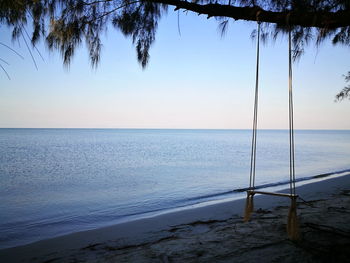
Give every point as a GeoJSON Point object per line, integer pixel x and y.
{"type": "Point", "coordinates": [59, 181]}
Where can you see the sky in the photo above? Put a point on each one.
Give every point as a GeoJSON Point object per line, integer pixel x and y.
{"type": "Point", "coordinates": [194, 80]}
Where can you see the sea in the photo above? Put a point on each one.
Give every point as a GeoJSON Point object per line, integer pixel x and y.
{"type": "Point", "coordinates": [59, 181]}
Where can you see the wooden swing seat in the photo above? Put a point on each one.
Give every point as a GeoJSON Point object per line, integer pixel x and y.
{"type": "Point", "coordinates": [252, 192]}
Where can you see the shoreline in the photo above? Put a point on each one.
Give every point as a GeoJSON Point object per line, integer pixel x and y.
{"type": "Point", "coordinates": [161, 227]}
{"type": "Point", "coordinates": [202, 201]}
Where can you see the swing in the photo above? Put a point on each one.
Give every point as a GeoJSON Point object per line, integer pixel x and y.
{"type": "Point", "coordinates": [292, 223]}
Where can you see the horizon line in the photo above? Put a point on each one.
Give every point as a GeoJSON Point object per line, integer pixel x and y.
{"type": "Point", "coordinates": [115, 128]}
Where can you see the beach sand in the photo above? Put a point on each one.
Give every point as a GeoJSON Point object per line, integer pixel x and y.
{"type": "Point", "coordinates": [215, 233]}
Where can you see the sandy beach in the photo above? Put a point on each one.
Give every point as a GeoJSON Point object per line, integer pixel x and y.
{"type": "Point", "coordinates": [215, 233]}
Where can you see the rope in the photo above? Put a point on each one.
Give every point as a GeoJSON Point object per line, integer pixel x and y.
{"type": "Point", "coordinates": [292, 223]}
{"type": "Point", "coordinates": [291, 120]}
{"type": "Point", "coordinates": [255, 118]}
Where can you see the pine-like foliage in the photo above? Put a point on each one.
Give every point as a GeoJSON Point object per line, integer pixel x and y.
{"type": "Point", "coordinates": [65, 25]}
{"type": "Point", "coordinates": [345, 92]}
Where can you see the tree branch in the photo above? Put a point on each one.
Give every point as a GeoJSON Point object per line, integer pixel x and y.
{"type": "Point", "coordinates": [319, 19]}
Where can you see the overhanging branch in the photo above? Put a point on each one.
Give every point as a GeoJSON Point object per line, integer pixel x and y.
{"type": "Point", "coordinates": [319, 19]}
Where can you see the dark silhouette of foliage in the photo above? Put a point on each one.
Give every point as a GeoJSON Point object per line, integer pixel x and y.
{"type": "Point", "coordinates": [65, 25]}
{"type": "Point", "coordinates": [345, 92]}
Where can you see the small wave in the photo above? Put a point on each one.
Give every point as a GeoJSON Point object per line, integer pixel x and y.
{"type": "Point", "coordinates": [208, 196]}
{"type": "Point", "coordinates": [262, 186]}
{"type": "Point", "coordinates": [239, 190]}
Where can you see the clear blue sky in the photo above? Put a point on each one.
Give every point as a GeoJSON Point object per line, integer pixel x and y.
{"type": "Point", "coordinates": [196, 80]}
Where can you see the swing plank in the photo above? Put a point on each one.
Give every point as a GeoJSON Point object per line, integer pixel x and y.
{"type": "Point", "coordinates": [274, 194]}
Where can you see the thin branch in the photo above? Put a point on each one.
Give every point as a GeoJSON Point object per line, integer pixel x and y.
{"type": "Point", "coordinates": [30, 52]}
{"type": "Point", "coordinates": [14, 51]}
{"type": "Point", "coordinates": [115, 9]}
{"type": "Point", "coordinates": [96, 2]}
{"type": "Point", "coordinates": [178, 22]}
{"type": "Point", "coordinates": [8, 76]}
{"type": "Point", "coordinates": [5, 61]}
{"type": "Point", "coordinates": [37, 50]}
